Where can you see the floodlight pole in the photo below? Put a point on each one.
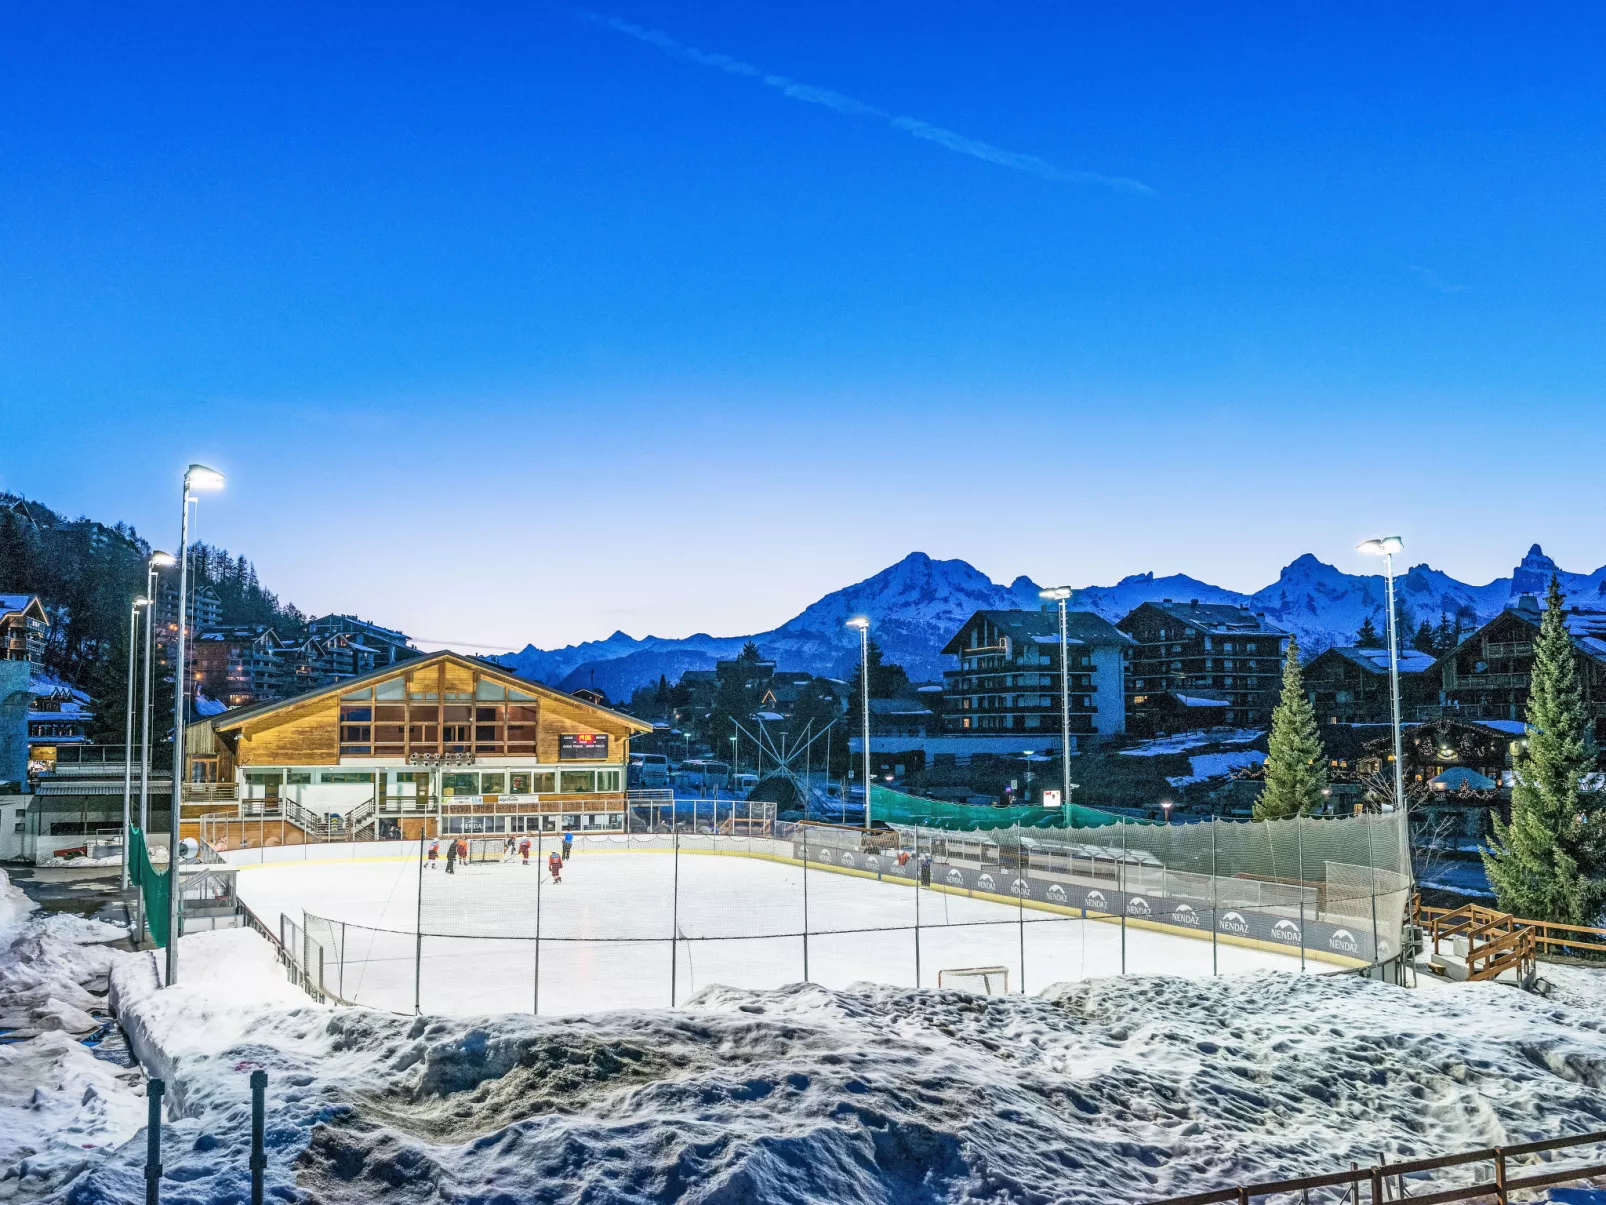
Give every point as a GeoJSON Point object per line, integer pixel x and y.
{"type": "Point", "coordinates": [864, 695]}
{"type": "Point", "coordinates": [1394, 684]}
{"type": "Point", "coordinates": [195, 476]}
{"type": "Point", "coordinates": [128, 733]}
{"type": "Point", "coordinates": [157, 559]}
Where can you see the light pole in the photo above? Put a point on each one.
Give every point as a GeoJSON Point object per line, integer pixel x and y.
{"type": "Point", "coordinates": [1062, 594]}
{"type": "Point", "coordinates": [1386, 547]}
{"type": "Point", "coordinates": [863, 625]}
{"type": "Point", "coordinates": [196, 477]}
{"type": "Point", "coordinates": [1165, 810]}
{"type": "Point", "coordinates": [128, 731]}
{"type": "Point", "coordinates": [159, 560]}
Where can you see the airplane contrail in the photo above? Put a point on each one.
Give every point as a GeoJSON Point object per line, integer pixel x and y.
{"type": "Point", "coordinates": [810, 95]}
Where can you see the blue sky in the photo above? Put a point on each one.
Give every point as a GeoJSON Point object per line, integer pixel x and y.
{"type": "Point", "coordinates": [529, 322]}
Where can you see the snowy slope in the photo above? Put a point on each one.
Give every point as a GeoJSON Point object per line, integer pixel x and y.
{"type": "Point", "coordinates": [1110, 1091]}
{"type": "Point", "coordinates": [916, 605]}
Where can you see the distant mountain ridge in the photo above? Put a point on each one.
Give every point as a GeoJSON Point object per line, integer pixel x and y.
{"type": "Point", "coordinates": [916, 605]}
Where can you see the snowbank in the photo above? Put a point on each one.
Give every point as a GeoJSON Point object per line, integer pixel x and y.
{"type": "Point", "coordinates": [1206, 766]}
{"type": "Point", "coordinates": [60, 1107]}
{"type": "Point", "coordinates": [1106, 1091]}
{"type": "Point", "coordinates": [1181, 742]}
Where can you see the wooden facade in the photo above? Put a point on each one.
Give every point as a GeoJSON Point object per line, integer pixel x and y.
{"type": "Point", "coordinates": [1351, 685]}
{"type": "Point", "coordinates": [1201, 665]}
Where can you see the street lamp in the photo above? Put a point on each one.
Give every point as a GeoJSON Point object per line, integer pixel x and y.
{"type": "Point", "coordinates": [863, 624]}
{"type": "Point", "coordinates": [159, 560]}
{"type": "Point", "coordinates": [1386, 547]}
{"type": "Point", "coordinates": [196, 477]}
{"type": "Point", "coordinates": [1165, 810]}
{"type": "Point", "coordinates": [128, 731]}
{"type": "Point", "coordinates": [1061, 595]}
{"type": "Point", "coordinates": [736, 753]}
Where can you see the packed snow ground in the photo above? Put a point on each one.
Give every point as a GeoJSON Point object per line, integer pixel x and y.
{"type": "Point", "coordinates": [605, 932]}
{"type": "Point", "coordinates": [1115, 1090]}
{"type": "Point", "coordinates": [60, 1107]}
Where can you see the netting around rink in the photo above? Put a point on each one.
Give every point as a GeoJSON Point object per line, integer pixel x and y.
{"type": "Point", "coordinates": [646, 919]}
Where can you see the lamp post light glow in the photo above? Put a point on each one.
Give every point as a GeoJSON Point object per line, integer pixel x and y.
{"type": "Point", "coordinates": [863, 625]}
{"type": "Point", "coordinates": [159, 560]}
{"type": "Point", "coordinates": [128, 731]}
{"type": "Point", "coordinates": [1061, 595]}
{"type": "Point", "coordinates": [1386, 547]}
{"type": "Point", "coordinates": [1165, 810]}
{"type": "Point", "coordinates": [196, 477]}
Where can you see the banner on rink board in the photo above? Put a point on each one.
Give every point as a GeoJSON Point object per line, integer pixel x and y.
{"type": "Point", "coordinates": [1346, 937]}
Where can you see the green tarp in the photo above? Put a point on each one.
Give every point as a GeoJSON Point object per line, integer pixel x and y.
{"type": "Point", "coordinates": [897, 808]}
{"type": "Point", "coordinates": [151, 884]}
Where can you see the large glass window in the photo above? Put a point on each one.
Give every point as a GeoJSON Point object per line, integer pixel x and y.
{"type": "Point", "coordinates": [493, 784]}
{"type": "Point", "coordinates": [542, 782]}
{"type": "Point", "coordinates": [460, 784]}
{"type": "Point", "coordinates": [576, 782]}
{"type": "Point", "coordinates": [607, 780]}
{"type": "Point", "coordinates": [518, 783]}
{"type": "Point", "coordinates": [356, 729]}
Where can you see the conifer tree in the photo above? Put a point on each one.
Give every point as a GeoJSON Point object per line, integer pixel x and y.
{"type": "Point", "coordinates": [1549, 863]}
{"type": "Point", "coordinates": [1367, 637]}
{"type": "Point", "coordinates": [1296, 768]}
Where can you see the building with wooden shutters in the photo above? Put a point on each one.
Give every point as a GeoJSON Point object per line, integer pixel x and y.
{"type": "Point", "coordinates": [439, 743]}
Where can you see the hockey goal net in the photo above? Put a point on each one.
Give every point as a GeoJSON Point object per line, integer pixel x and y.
{"type": "Point", "coordinates": [983, 981]}
{"type": "Point", "coordinates": [490, 849]}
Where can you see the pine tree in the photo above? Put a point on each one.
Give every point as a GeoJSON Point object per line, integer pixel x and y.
{"type": "Point", "coordinates": [1445, 637]}
{"type": "Point", "coordinates": [1296, 767]}
{"type": "Point", "coordinates": [1422, 641]}
{"type": "Point", "coordinates": [1367, 637]}
{"type": "Point", "coordinates": [1549, 863]}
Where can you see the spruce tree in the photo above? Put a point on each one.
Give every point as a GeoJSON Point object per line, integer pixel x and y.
{"type": "Point", "coordinates": [1367, 637]}
{"type": "Point", "coordinates": [1549, 863]}
{"type": "Point", "coordinates": [1296, 768]}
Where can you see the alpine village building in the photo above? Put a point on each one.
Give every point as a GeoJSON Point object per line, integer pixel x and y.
{"type": "Point", "coordinates": [437, 743]}
{"type": "Point", "coordinates": [1008, 680]}
{"type": "Point", "coordinates": [1201, 665]}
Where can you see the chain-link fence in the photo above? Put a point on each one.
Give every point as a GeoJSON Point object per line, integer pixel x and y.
{"type": "Point", "coordinates": [529, 922]}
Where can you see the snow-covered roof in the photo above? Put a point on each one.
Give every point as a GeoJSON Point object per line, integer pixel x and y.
{"type": "Point", "coordinates": [1458, 778]}
{"type": "Point", "coordinates": [1196, 701]}
{"type": "Point", "coordinates": [1515, 727]}
{"type": "Point", "coordinates": [1412, 661]}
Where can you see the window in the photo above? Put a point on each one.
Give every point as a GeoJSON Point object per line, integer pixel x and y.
{"type": "Point", "coordinates": [518, 784]}
{"type": "Point", "coordinates": [345, 776]}
{"type": "Point", "coordinates": [493, 784]}
{"type": "Point", "coordinates": [460, 784]}
{"type": "Point", "coordinates": [542, 782]}
{"type": "Point", "coordinates": [486, 689]}
{"type": "Point", "coordinates": [575, 782]}
{"type": "Point", "coordinates": [298, 777]}
{"type": "Point", "coordinates": [358, 696]}
{"type": "Point", "coordinates": [394, 690]}
{"type": "Point", "coordinates": [607, 780]}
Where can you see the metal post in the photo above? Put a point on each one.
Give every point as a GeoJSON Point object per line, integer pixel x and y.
{"type": "Point", "coordinates": [418, 933]}
{"type": "Point", "coordinates": [180, 715]}
{"type": "Point", "coordinates": [864, 695]}
{"type": "Point", "coordinates": [1121, 891]}
{"type": "Point", "coordinates": [1020, 904]}
{"type": "Point", "coordinates": [917, 906]}
{"type": "Point", "coordinates": [540, 858]}
{"type": "Point", "coordinates": [153, 1140]}
{"type": "Point", "coordinates": [805, 831]}
{"type": "Point", "coordinates": [1215, 964]}
{"type": "Point", "coordinates": [128, 738]}
{"type": "Point", "coordinates": [259, 1158]}
{"type": "Point", "coordinates": [1065, 714]}
{"type": "Point", "coordinates": [674, 919]}
{"type": "Point", "coordinates": [145, 709]}
{"type": "Point", "coordinates": [1302, 930]}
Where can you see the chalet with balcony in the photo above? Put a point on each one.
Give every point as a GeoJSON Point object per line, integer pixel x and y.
{"type": "Point", "coordinates": [436, 743]}
{"type": "Point", "coordinates": [1201, 665]}
{"type": "Point", "coordinates": [387, 645]}
{"type": "Point", "coordinates": [1351, 685]}
{"type": "Point", "coordinates": [1486, 676]}
{"type": "Point", "coordinates": [239, 666]}
{"type": "Point", "coordinates": [1009, 676]}
{"type": "Point", "coordinates": [23, 628]}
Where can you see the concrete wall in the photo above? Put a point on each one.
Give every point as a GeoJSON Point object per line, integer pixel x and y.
{"type": "Point", "coordinates": [14, 828]}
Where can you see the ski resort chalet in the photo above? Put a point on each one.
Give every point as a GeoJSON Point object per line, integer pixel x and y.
{"type": "Point", "coordinates": [441, 743]}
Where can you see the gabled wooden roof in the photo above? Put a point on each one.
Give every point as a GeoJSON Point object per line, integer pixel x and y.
{"type": "Point", "coordinates": [234, 719]}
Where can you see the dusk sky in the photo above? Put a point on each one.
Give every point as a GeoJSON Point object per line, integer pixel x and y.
{"type": "Point", "coordinates": [527, 323]}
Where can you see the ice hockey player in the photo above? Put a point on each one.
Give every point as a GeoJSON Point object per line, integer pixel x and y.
{"type": "Point", "coordinates": [524, 850]}
{"type": "Point", "coordinates": [554, 863]}
{"type": "Point", "coordinates": [568, 843]}
{"type": "Point", "coordinates": [451, 857]}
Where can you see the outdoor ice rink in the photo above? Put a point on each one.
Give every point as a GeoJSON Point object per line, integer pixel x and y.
{"type": "Point", "coordinates": [605, 932]}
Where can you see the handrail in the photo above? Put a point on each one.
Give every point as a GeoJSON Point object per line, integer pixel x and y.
{"type": "Point", "coordinates": [1502, 1184]}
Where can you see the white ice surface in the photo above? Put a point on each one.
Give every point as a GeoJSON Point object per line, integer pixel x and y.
{"type": "Point", "coordinates": [605, 932]}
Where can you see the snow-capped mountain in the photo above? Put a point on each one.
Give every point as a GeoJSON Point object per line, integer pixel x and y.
{"type": "Point", "coordinates": [916, 605]}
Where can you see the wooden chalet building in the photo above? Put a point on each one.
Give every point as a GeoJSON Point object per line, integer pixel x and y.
{"type": "Point", "coordinates": [1201, 665]}
{"type": "Point", "coordinates": [1008, 680]}
{"type": "Point", "coordinates": [437, 743]}
{"type": "Point", "coordinates": [239, 666]}
{"type": "Point", "coordinates": [1486, 676]}
{"type": "Point", "coordinates": [23, 628]}
{"type": "Point", "coordinates": [1351, 685]}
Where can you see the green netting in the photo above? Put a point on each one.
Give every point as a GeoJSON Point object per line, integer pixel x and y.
{"type": "Point", "coordinates": [152, 885]}
{"type": "Point", "coordinates": [895, 807]}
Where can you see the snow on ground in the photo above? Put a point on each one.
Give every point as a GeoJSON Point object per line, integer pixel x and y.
{"type": "Point", "coordinates": [1181, 742]}
{"type": "Point", "coordinates": [60, 1106]}
{"type": "Point", "coordinates": [1205, 766]}
{"type": "Point", "coordinates": [1113, 1090]}
{"type": "Point", "coordinates": [605, 932]}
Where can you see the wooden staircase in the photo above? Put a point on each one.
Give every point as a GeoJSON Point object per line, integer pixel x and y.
{"type": "Point", "coordinates": [1475, 943]}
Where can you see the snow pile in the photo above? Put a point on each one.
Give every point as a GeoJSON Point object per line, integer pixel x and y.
{"type": "Point", "coordinates": [1206, 766]}
{"type": "Point", "coordinates": [1107, 1091]}
{"type": "Point", "coordinates": [1181, 742]}
{"type": "Point", "coordinates": [60, 1106]}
